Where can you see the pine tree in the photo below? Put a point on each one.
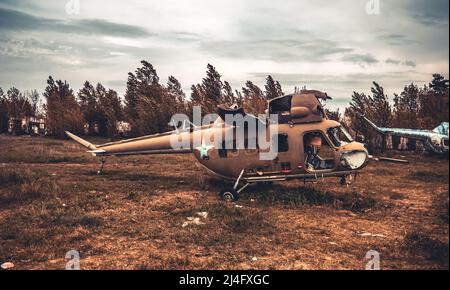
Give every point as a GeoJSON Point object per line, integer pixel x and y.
{"type": "Point", "coordinates": [273, 88]}
{"type": "Point", "coordinates": [146, 77]}
{"type": "Point", "coordinates": [197, 95]}
{"type": "Point", "coordinates": [434, 102]}
{"type": "Point", "coordinates": [146, 101]}
{"type": "Point", "coordinates": [439, 84]}
{"type": "Point", "coordinates": [380, 106]}
{"type": "Point", "coordinates": [359, 106]}
{"type": "Point", "coordinates": [153, 106]}
{"type": "Point", "coordinates": [279, 90]}
{"type": "Point", "coordinates": [239, 98]}
{"type": "Point", "coordinates": [33, 98]}
{"type": "Point", "coordinates": [3, 112]}
{"type": "Point", "coordinates": [110, 109]}
{"type": "Point", "coordinates": [177, 96]}
{"type": "Point", "coordinates": [131, 101]}
{"type": "Point", "coordinates": [406, 107]}
{"type": "Point", "coordinates": [255, 101]}
{"type": "Point", "coordinates": [100, 117]}
{"type": "Point", "coordinates": [381, 114]}
{"type": "Point", "coordinates": [228, 95]}
{"type": "Point", "coordinates": [174, 87]}
{"type": "Point", "coordinates": [15, 103]}
{"type": "Point", "coordinates": [62, 110]}
{"type": "Point", "coordinates": [212, 88]}
{"type": "Point", "coordinates": [197, 99]}
{"type": "Point", "coordinates": [88, 101]}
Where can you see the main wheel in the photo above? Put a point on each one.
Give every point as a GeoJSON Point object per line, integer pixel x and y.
{"type": "Point", "coordinates": [229, 195]}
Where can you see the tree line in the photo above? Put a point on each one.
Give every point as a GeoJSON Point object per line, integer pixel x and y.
{"type": "Point", "coordinates": [148, 104]}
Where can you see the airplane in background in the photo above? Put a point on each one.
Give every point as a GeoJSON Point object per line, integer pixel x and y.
{"type": "Point", "coordinates": [435, 141]}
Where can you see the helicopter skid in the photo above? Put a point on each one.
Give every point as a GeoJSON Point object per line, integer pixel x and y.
{"type": "Point", "coordinates": [308, 176]}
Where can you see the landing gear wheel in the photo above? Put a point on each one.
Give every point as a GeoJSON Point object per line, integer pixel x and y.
{"type": "Point", "coordinates": [229, 195]}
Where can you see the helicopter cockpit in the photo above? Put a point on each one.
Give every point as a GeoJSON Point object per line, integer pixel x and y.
{"type": "Point", "coordinates": [339, 136]}
{"type": "Point", "coordinates": [317, 151]}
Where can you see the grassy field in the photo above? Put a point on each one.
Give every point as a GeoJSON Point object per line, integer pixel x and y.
{"type": "Point", "coordinates": [52, 201]}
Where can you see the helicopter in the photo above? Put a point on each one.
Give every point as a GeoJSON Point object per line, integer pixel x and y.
{"type": "Point", "coordinates": [308, 145]}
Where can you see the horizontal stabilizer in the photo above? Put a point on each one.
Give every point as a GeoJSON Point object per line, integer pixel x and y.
{"type": "Point", "coordinates": [81, 141]}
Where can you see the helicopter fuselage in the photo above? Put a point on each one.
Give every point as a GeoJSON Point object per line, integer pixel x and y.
{"type": "Point", "coordinates": [291, 159]}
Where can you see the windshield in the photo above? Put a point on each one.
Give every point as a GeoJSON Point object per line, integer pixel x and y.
{"type": "Point", "coordinates": [339, 136]}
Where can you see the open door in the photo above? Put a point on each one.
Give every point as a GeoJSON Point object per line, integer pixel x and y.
{"type": "Point", "coordinates": [318, 153]}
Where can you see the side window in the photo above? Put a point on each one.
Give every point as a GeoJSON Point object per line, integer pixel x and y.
{"type": "Point", "coordinates": [283, 144]}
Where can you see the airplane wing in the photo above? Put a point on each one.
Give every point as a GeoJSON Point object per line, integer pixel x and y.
{"type": "Point", "coordinates": [152, 144]}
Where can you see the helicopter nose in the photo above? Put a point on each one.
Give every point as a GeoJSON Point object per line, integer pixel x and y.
{"type": "Point", "coordinates": [354, 156]}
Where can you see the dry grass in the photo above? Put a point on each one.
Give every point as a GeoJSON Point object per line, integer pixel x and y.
{"type": "Point", "coordinates": [51, 201]}
{"type": "Point", "coordinates": [22, 185]}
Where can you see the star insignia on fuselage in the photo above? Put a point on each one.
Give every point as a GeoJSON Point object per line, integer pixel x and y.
{"type": "Point", "coordinates": [203, 150]}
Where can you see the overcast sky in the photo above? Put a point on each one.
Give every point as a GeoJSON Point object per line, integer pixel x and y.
{"type": "Point", "coordinates": [334, 46]}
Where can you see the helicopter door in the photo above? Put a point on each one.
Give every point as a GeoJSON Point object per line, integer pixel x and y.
{"type": "Point", "coordinates": [318, 153]}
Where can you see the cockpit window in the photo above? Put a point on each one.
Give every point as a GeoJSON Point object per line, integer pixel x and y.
{"type": "Point", "coordinates": [339, 136]}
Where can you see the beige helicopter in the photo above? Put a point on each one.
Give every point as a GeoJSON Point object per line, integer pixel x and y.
{"type": "Point", "coordinates": [309, 145]}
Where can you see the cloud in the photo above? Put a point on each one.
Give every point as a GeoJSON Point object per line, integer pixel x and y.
{"type": "Point", "coordinates": [432, 13]}
{"type": "Point", "coordinates": [409, 63]}
{"type": "Point", "coordinates": [321, 80]}
{"type": "Point", "coordinates": [361, 59]}
{"type": "Point", "coordinates": [276, 50]}
{"type": "Point", "coordinates": [281, 42]}
{"type": "Point", "coordinates": [34, 48]}
{"type": "Point", "coordinates": [20, 21]}
{"type": "Point", "coordinates": [396, 39]}
{"type": "Point", "coordinates": [392, 61]}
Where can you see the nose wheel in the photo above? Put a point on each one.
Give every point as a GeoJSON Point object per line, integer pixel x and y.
{"type": "Point", "coordinates": [232, 194]}
{"type": "Point", "coordinates": [229, 195]}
